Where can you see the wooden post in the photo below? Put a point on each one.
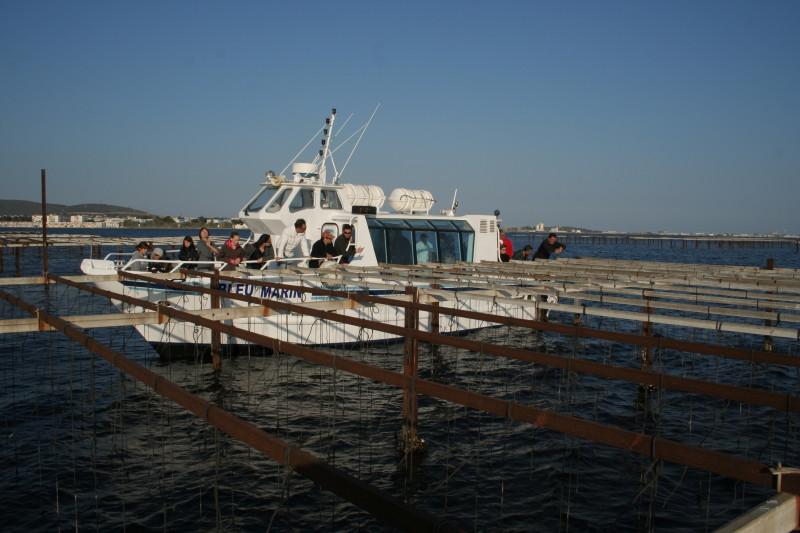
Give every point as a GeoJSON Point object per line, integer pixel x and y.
{"type": "Point", "coordinates": [216, 336]}
{"type": "Point", "coordinates": [17, 251]}
{"type": "Point", "coordinates": [410, 438]}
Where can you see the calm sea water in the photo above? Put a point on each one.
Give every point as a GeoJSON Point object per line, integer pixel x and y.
{"type": "Point", "coordinates": [90, 449]}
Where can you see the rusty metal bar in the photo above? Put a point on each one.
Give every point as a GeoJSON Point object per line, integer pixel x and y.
{"type": "Point", "coordinates": [361, 494]}
{"type": "Point", "coordinates": [578, 331]}
{"type": "Point", "coordinates": [712, 461]}
{"type": "Point", "coordinates": [729, 392]}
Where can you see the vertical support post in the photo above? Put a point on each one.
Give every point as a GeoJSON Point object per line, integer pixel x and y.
{"type": "Point", "coordinates": [647, 356]}
{"type": "Point", "coordinates": [216, 336]}
{"type": "Point", "coordinates": [768, 322]}
{"type": "Point", "coordinates": [1, 258]}
{"type": "Point", "coordinates": [543, 312]}
{"type": "Point", "coordinates": [647, 331]}
{"type": "Point", "coordinates": [44, 222]}
{"type": "Point", "coordinates": [435, 314]}
{"type": "Point", "coordinates": [17, 251]}
{"type": "Point", "coordinates": [410, 438]}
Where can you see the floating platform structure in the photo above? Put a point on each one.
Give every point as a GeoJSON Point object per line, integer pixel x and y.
{"type": "Point", "coordinates": [618, 360]}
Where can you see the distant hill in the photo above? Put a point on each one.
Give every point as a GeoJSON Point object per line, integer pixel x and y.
{"type": "Point", "coordinates": [24, 207]}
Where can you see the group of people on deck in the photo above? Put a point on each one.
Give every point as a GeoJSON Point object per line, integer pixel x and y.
{"type": "Point", "coordinates": [254, 255]}
{"type": "Point", "coordinates": [548, 247]}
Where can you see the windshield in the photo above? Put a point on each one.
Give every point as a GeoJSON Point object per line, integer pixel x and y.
{"type": "Point", "coordinates": [260, 199]}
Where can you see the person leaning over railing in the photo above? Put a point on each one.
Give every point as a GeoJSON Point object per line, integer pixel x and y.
{"type": "Point", "coordinates": [188, 252]}
{"type": "Point", "coordinates": [138, 262]}
{"type": "Point", "coordinates": [343, 245]}
{"type": "Point", "coordinates": [156, 265]}
{"type": "Point", "coordinates": [231, 252]}
{"type": "Point", "coordinates": [260, 252]}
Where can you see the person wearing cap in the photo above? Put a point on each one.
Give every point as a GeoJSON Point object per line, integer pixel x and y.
{"type": "Point", "coordinates": [426, 251]}
{"type": "Point", "coordinates": [231, 252]}
{"type": "Point", "coordinates": [158, 255]}
{"type": "Point", "coordinates": [322, 249]}
{"type": "Point", "coordinates": [549, 245]}
{"type": "Point", "coordinates": [138, 262]}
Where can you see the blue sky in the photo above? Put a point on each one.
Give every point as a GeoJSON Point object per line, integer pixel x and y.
{"type": "Point", "coordinates": [681, 116]}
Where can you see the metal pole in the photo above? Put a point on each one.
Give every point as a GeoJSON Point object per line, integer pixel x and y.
{"type": "Point", "coordinates": [44, 220]}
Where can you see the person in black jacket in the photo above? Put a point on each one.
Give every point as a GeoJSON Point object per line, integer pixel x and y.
{"type": "Point", "coordinates": [322, 249]}
{"type": "Point", "coordinates": [549, 245]}
{"type": "Point", "coordinates": [188, 252]}
{"type": "Point", "coordinates": [343, 246]}
{"type": "Point", "coordinates": [261, 251]}
{"type": "Point", "coordinates": [522, 255]}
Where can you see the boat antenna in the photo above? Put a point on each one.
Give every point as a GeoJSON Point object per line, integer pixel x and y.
{"type": "Point", "coordinates": [301, 150]}
{"type": "Point", "coordinates": [363, 130]}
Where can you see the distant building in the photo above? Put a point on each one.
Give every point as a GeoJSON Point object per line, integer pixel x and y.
{"type": "Point", "coordinates": [76, 219]}
{"type": "Point", "coordinates": [540, 226]}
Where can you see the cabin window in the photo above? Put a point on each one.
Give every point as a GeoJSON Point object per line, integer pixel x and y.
{"type": "Point", "coordinates": [378, 236]}
{"type": "Point", "coordinates": [332, 227]}
{"type": "Point", "coordinates": [399, 247]}
{"type": "Point", "coordinates": [400, 241]}
{"type": "Point", "coordinates": [304, 199]}
{"type": "Point", "coordinates": [467, 245]}
{"type": "Point", "coordinates": [329, 199]}
{"type": "Point", "coordinates": [449, 247]}
{"type": "Point", "coordinates": [260, 199]}
{"type": "Point", "coordinates": [425, 246]}
{"type": "Point", "coordinates": [278, 201]}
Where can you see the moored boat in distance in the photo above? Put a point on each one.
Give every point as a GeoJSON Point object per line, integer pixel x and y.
{"type": "Point", "coordinates": [407, 234]}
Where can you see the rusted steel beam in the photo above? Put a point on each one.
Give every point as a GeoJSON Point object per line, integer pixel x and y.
{"type": "Point", "coordinates": [578, 331]}
{"type": "Point", "coordinates": [708, 460]}
{"type": "Point", "coordinates": [371, 499]}
{"type": "Point", "coordinates": [728, 392]}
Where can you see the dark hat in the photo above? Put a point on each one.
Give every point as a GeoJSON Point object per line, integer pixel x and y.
{"type": "Point", "coordinates": [552, 235]}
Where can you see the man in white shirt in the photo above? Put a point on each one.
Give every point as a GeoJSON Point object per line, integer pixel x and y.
{"type": "Point", "coordinates": [290, 238]}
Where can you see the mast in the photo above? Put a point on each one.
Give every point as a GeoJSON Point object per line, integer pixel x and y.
{"type": "Point", "coordinates": [325, 151]}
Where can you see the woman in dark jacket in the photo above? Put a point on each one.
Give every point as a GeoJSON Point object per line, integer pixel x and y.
{"type": "Point", "coordinates": [188, 252]}
{"type": "Point", "coordinates": [262, 251]}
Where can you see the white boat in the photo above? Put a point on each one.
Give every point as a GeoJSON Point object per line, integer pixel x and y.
{"type": "Point", "coordinates": [393, 236]}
